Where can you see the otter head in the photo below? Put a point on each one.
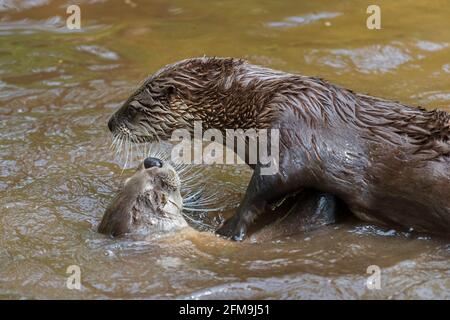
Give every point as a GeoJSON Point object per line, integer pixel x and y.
{"type": "Point", "coordinates": [210, 90]}
{"type": "Point", "coordinates": [149, 202]}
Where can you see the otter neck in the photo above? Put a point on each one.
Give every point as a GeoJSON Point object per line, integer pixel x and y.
{"type": "Point", "coordinates": [227, 109]}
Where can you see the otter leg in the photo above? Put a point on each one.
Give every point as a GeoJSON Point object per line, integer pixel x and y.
{"type": "Point", "coordinates": [253, 204]}
{"type": "Point", "coordinates": [262, 190]}
{"type": "Point", "coordinates": [311, 210]}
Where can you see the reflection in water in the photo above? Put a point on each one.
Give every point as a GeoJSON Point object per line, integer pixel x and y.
{"type": "Point", "coordinates": [99, 51]}
{"type": "Point", "coordinates": [301, 20]}
{"type": "Point", "coordinates": [374, 58]}
{"type": "Point", "coordinates": [431, 46]}
{"type": "Point", "coordinates": [57, 173]}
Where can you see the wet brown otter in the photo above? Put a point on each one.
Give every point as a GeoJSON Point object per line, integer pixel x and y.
{"type": "Point", "coordinates": [388, 162]}
{"type": "Point", "coordinates": [149, 202]}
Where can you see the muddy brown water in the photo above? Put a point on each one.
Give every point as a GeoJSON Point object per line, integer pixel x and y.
{"type": "Point", "coordinates": [57, 172]}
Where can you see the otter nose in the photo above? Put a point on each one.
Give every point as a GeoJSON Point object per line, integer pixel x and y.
{"type": "Point", "coordinates": [152, 162]}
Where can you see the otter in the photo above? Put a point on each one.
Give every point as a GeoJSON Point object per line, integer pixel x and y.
{"type": "Point", "coordinates": [148, 203]}
{"type": "Point", "coordinates": [389, 163]}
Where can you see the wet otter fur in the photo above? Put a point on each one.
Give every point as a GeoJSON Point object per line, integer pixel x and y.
{"type": "Point", "coordinates": [388, 162]}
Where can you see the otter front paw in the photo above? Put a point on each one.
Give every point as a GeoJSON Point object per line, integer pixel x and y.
{"type": "Point", "coordinates": [233, 228]}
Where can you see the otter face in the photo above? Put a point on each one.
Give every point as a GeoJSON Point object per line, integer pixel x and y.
{"type": "Point", "coordinates": [155, 109]}
{"type": "Point", "coordinates": [149, 202]}
{"type": "Point", "coordinates": [146, 116]}
{"type": "Point", "coordinates": [175, 97]}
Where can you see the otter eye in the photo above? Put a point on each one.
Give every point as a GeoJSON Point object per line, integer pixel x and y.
{"type": "Point", "coordinates": [132, 109]}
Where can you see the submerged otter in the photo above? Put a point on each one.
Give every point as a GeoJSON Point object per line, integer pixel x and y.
{"type": "Point", "coordinates": [149, 202]}
{"type": "Point", "coordinates": [388, 162]}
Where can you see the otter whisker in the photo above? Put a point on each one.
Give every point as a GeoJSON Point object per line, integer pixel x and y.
{"type": "Point", "coordinates": [209, 199]}
{"type": "Point", "coordinates": [139, 150]}
{"type": "Point", "coordinates": [200, 204]}
{"type": "Point", "coordinates": [121, 146]}
{"type": "Point", "coordinates": [146, 150]}
{"type": "Point", "coordinates": [190, 168]}
{"type": "Point", "coordinates": [200, 209]}
{"type": "Point", "coordinates": [117, 142]}
{"type": "Point", "coordinates": [113, 142]}
{"type": "Point", "coordinates": [183, 166]}
{"type": "Point", "coordinates": [131, 153]}
{"type": "Point", "coordinates": [198, 222]}
{"type": "Point", "coordinates": [193, 196]}
{"type": "Point", "coordinates": [127, 145]}
{"type": "Point", "coordinates": [190, 179]}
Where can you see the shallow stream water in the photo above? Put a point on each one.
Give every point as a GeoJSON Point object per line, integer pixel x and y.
{"type": "Point", "coordinates": [58, 88]}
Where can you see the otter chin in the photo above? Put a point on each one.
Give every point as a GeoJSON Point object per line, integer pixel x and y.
{"type": "Point", "coordinates": [148, 203]}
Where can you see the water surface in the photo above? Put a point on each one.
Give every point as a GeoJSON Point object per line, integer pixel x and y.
{"type": "Point", "coordinates": [57, 173]}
